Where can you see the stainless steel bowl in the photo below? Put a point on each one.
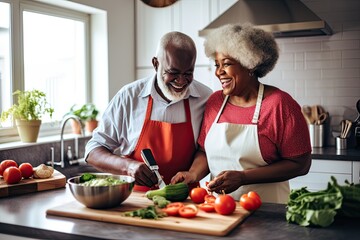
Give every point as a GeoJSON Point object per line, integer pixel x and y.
{"type": "Point", "coordinates": [102, 196]}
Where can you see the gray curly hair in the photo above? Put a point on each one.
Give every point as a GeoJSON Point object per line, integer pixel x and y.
{"type": "Point", "coordinates": [254, 48]}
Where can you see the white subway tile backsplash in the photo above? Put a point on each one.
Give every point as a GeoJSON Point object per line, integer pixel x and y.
{"type": "Point", "coordinates": [299, 56]}
{"type": "Point", "coordinates": [341, 45]}
{"type": "Point", "coordinates": [299, 65]}
{"type": "Point", "coordinates": [351, 35]}
{"type": "Point", "coordinates": [306, 74]}
{"type": "Point", "coordinates": [341, 73]}
{"type": "Point", "coordinates": [330, 55]}
{"type": "Point", "coordinates": [322, 91]}
{"type": "Point", "coordinates": [347, 82]}
{"type": "Point", "coordinates": [285, 57]}
{"type": "Point", "coordinates": [346, 91]}
{"type": "Point", "coordinates": [351, 63]}
{"type": "Point", "coordinates": [353, 53]}
{"type": "Point", "coordinates": [322, 64]}
{"type": "Point", "coordinates": [301, 47]}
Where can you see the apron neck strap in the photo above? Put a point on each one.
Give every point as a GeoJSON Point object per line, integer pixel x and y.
{"type": "Point", "coordinates": [149, 108]}
{"type": "Point", "coordinates": [258, 104]}
{"type": "Point", "coordinates": [257, 108]}
{"type": "Point", "coordinates": [221, 109]}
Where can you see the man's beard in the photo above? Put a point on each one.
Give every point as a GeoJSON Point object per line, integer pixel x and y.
{"type": "Point", "coordinates": [168, 91]}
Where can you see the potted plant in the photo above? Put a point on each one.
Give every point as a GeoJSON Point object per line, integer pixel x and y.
{"type": "Point", "coordinates": [90, 113]}
{"type": "Point", "coordinates": [27, 113]}
{"type": "Point", "coordinates": [87, 114]}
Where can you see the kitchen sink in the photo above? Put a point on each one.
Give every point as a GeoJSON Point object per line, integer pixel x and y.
{"type": "Point", "coordinates": [77, 167]}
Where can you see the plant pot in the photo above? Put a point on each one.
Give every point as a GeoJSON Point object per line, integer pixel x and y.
{"type": "Point", "coordinates": [91, 125]}
{"type": "Point", "coordinates": [28, 129]}
{"type": "Point", "coordinates": [76, 127]}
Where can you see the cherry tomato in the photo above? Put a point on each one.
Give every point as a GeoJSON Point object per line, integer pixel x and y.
{"type": "Point", "coordinates": [207, 207]}
{"type": "Point", "coordinates": [250, 201]}
{"type": "Point", "coordinates": [188, 211]}
{"type": "Point", "coordinates": [12, 175]}
{"type": "Point", "coordinates": [198, 194]}
{"type": "Point", "coordinates": [225, 204]}
{"type": "Point", "coordinates": [172, 209]}
{"type": "Point", "coordinates": [210, 198]}
{"type": "Point", "coordinates": [5, 164]}
{"type": "Point", "coordinates": [26, 170]}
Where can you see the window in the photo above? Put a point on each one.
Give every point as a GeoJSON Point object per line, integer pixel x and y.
{"type": "Point", "coordinates": [5, 57]}
{"type": "Point", "coordinates": [53, 58]}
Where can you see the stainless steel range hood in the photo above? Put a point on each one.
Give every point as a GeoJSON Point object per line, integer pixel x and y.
{"type": "Point", "coordinates": [284, 18]}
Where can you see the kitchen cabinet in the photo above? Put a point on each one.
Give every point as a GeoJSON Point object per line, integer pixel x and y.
{"type": "Point", "coordinates": [186, 16]}
{"type": "Point", "coordinates": [322, 169]}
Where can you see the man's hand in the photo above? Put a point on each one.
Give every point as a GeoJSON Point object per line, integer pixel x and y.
{"type": "Point", "coordinates": [142, 174]}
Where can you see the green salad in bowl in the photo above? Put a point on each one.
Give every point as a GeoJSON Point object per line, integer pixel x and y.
{"type": "Point", "coordinates": [101, 190]}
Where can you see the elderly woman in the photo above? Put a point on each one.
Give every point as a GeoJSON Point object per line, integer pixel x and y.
{"type": "Point", "coordinates": [253, 136]}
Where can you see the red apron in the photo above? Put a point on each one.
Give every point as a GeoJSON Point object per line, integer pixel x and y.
{"type": "Point", "coordinates": [172, 144]}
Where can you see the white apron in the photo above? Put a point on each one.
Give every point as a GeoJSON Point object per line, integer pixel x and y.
{"type": "Point", "coordinates": [231, 146]}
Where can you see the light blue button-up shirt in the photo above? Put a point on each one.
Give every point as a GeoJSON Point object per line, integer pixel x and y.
{"type": "Point", "coordinates": [122, 121]}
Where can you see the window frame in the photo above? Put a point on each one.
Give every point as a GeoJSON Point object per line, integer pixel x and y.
{"type": "Point", "coordinates": [17, 7]}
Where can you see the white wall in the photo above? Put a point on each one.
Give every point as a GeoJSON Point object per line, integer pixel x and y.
{"type": "Point", "coordinates": [321, 70]}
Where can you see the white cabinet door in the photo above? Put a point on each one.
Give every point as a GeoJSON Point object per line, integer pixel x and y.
{"type": "Point", "coordinates": [187, 16]}
{"type": "Point", "coordinates": [320, 173]}
{"type": "Point", "coordinates": [356, 172]}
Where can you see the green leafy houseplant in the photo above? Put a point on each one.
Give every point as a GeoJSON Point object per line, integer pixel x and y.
{"type": "Point", "coordinates": [87, 113]}
{"type": "Point", "coordinates": [30, 107]}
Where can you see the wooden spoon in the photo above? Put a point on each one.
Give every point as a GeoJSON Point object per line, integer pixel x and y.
{"type": "Point", "coordinates": [348, 125]}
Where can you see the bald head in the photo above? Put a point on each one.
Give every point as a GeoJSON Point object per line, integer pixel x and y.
{"type": "Point", "coordinates": [175, 40]}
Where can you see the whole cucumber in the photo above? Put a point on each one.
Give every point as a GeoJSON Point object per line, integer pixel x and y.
{"type": "Point", "coordinates": [175, 192]}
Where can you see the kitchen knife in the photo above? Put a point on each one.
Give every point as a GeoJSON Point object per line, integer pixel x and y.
{"type": "Point", "coordinates": [149, 159]}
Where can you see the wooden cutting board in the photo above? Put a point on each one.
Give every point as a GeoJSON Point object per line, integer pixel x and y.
{"type": "Point", "coordinates": [204, 223]}
{"type": "Point", "coordinates": [57, 180]}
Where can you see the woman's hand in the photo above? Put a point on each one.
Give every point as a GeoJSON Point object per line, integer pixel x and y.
{"type": "Point", "coordinates": [227, 181]}
{"type": "Point", "coordinates": [185, 177]}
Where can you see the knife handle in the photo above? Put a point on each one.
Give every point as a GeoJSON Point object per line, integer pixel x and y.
{"type": "Point", "coordinates": [149, 159]}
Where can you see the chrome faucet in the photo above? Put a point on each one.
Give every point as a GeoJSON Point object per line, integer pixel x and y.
{"type": "Point", "coordinates": [63, 123]}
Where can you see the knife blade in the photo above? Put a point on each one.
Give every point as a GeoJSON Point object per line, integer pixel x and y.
{"type": "Point", "coordinates": [149, 159]}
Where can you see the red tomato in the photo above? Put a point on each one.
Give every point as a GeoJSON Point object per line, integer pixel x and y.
{"type": "Point", "coordinates": [210, 198]}
{"type": "Point", "coordinates": [5, 164]}
{"type": "Point", "coordinates": [207, 207]}
{"type": "Point", "coordinates": [250, 201]}
{"type": "Point", "coordinates": [198, 194]}
{"type": "Point", "coordinates": [26, 170]}
{"type": "Point", "coordinates": [225, 204]}
{"type": "Point", "coordinates": [172, 209]}
{"type": "Point", "coordinates": [12, 175]}
{"type": "Point", "coordinates": [188, 211]}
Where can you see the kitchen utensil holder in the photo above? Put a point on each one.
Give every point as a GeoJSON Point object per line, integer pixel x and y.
{"type": "Point", "coordinates": [317, 135]}
{"type": "Point", "coordinates": [341, 143]}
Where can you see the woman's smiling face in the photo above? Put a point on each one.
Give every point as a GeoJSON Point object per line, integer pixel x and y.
{"type": "Point", "coordinates": [233, 77]}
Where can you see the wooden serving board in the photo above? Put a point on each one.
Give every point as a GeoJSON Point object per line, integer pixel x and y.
{"type": "Point", "coordinates": [204, 223]}
{"type": "Point", "coordinates": [57, 180]}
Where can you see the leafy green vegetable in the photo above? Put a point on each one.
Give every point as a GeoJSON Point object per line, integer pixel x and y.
{"type": "Point", "coordinates": [160, 201]}
{"type": "Point", "coordinates": [148, 213]}
{"type": "Point", "coordinates": [320, 208]}
{"type": "Point", "coordinates": [99, 182]}
{"type": "Point", "coordinates": [351, 199]}
{"type": "Point", "coordinates": [87, 177]}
